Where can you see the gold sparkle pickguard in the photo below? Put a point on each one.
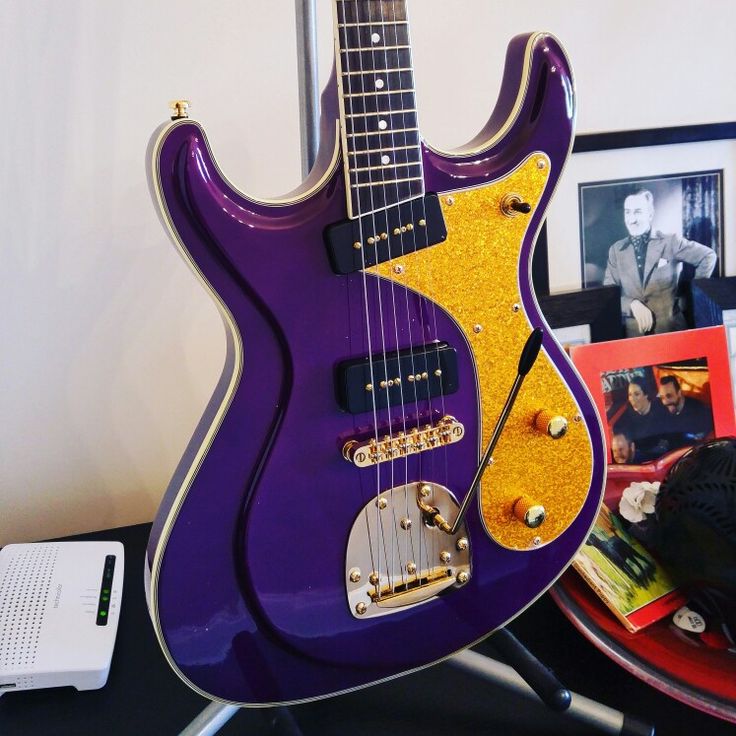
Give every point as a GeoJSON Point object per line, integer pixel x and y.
{"type": "Point", "coordinates": [474, 275]}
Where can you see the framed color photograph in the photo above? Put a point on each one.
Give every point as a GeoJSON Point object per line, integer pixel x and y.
{"type": "Point", "coordinates": [659, 394]}
{"type": "Point", "coordinates": [647, 210]}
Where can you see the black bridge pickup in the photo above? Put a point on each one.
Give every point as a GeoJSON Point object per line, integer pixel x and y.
{"type": "Point", "coordinates": [422, 372]}
{"type": "Point", "coordinates": [386, 234]}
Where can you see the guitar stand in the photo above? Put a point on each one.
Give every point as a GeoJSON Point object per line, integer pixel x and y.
{"type": "Point", "coordinates": [526, 676]}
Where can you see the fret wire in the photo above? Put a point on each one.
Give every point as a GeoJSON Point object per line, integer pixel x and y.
{"type": "Point", "coordinates": [384, 132]}
{"type": "Point", "coordinates": [375, 23]}
{"type": "Point", "coordinates": [380, 71]}
{"type": "Point", "coordinates": [385, 181]}
{"type": "Point", "coordinates": [379, 94]}
{"type": "Point", "coordinates": [382, 150]}
{"type": "Point", "coordinates": [387, 166]}
{"type": "Point", "coordinates": [379, 112]}
{"type": "Point", "coordinates": [373, 48]}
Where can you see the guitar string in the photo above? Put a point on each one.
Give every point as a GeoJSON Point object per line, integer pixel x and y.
{"type": "Point", "coordinates": [422, 459]}
{"type": "Point", "coordinates": [395, 543]}
{"type": "Point", "coordinates": [429, 303]}
{"type": "Point", "coordinates": [386, 65]}
{"type": "Point", "coordinates": [377, 281]}
{"type": "Point", "coordinates": [375, 557]}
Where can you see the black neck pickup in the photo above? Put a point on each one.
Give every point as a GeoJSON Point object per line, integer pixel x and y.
{"type": "Point", "coordinates": [390, 233]}
{"type": "Point", "coordinates": [397, 378]}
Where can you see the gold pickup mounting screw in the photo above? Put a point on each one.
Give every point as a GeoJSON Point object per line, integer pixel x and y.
{"type": "Point", "coordinates": [450, 201]}
{"type": "Point", "coordinates": [411, 568]}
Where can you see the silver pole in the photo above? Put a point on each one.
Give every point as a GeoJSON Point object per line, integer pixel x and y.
{"type": "Point", "coordinates": [210, 720]}
{"type": "Point", "coordinates": [306, 49]}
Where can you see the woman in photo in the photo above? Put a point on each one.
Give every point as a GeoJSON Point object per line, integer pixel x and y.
{"type": "Point", "coordinates": [644, 421]}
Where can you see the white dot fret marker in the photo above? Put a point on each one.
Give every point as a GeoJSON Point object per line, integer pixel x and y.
{"type": "Point", "coordinates": [385, 159]}
{"type": "Point", "coordinates": [379, 83]}
{"type": "Point", "coordinates": [375, 38]}
{"type": "Point", "coordinates": [382, 124]}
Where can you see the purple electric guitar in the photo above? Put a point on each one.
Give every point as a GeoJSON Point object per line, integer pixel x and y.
{"type": "Point", "coordinates": [311, 540]}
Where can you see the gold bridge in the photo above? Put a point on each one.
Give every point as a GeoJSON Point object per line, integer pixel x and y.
{"type": "Point", "coordinates": [372, 452]}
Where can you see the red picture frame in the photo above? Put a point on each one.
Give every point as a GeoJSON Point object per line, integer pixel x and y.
{"type": "Point", "coordinates": [593, 360]}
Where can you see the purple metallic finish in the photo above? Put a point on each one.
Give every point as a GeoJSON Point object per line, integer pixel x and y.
{"type": "Point", "coordinates": [251, 593]}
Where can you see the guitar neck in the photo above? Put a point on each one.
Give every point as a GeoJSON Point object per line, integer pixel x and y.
{"type": "Point", "coordinates": [380, 133]}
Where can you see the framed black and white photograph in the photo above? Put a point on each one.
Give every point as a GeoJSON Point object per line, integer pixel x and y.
{"type": "Point", "coordinates": [687, 205]}
{"type": "Point", "coordinates": [648, 211]}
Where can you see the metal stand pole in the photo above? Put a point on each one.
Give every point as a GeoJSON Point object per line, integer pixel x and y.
{"type": "Point", "coordinates": [306, 42]}
{"type": "Point", "coordinates": [210, 720]}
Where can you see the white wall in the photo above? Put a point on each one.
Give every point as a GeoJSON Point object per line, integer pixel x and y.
{"type": "Point", "coordinates": [108, 347]}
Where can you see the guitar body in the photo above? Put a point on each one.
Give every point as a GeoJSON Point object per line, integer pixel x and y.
{"type": "Point", "coordinates": [251, 554]}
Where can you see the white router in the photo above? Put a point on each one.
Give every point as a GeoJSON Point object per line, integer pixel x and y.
{"type": "Point", "coordinates": [59, 611]}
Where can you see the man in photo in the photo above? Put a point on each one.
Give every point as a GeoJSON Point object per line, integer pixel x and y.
{"type": "Point", "coordinates": [623, 450]}
{"type": "Point", "coordinates": [646, 265]}
{"type": "Point", "coordinates": [689, 419]}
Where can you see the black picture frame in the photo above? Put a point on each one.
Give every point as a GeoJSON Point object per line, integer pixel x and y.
{"type": "Point", "coordinates": [625, 139]}
{"type": "Point", "coordinates": [598, 307]}
{"type": "Point", "coordinates": [710, 298]}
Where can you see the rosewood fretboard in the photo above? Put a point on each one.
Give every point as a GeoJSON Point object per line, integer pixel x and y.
{"type": "Point", "coordinates": [378, 105]}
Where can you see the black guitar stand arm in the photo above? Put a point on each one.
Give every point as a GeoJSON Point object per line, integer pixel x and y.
{"type": "Point", "coordinates": [526, 675]}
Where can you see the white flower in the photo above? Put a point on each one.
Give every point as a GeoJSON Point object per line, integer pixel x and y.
{"type": "Point", "coordinates": [638, 500]}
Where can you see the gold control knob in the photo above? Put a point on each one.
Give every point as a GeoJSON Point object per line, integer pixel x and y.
{"type": "Point", "coordinates": [527, 510]}
{"type": "Point", "coordinates": [179, 109]}
{"type": "Point", "coordinates": [551, 424]}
